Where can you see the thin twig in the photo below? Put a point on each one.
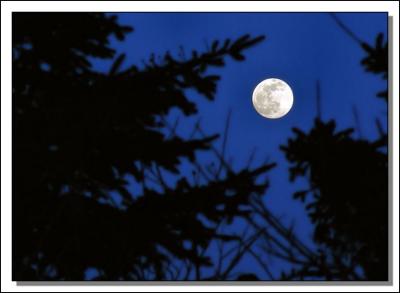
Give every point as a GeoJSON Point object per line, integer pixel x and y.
{"type": "Point", "coordinates": [261, 263]}
{"type": "Point", "coordinates": [350, 33]}
{"type": "Point", "coordinates": [225, 138]}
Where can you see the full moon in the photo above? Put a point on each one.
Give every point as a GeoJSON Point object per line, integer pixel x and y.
{"type": "Point", "coordinates": [272, 98]}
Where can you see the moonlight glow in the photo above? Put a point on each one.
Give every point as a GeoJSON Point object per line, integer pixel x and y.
{"type": "Point", "coordinates": [272, 98]}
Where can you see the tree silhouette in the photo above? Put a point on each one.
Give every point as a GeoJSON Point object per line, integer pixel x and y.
{"type": "Point", "coordinates": [347, 198]}
{"type": "Point", "coordinates": [78, 133]}
{"type": "Point", "coordinates": [81, 137]}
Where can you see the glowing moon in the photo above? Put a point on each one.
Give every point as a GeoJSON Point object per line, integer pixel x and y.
{"type": "Point", "coordinates": [272, 98]}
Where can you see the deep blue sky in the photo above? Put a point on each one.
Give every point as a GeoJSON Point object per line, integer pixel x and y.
{"type": "Point", "coordinates": [300, 48]}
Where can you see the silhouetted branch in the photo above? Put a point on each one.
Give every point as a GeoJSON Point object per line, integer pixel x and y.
{"type": "Point", "coordinates": [349, 32]}
{"type": "Point", "coordinates": [318, 99]}
{"type": "Point", "coordinates": [224, 140]}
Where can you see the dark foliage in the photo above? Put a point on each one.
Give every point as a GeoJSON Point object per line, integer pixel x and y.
{"type": "Point", "coordinates": [349, 194]}
{"type": "Point", "coordinates": [377, 60]}
{"type": "Point", "coordinates": [77, 133]}
{"type": "Point", "coordinates": [347, 199]}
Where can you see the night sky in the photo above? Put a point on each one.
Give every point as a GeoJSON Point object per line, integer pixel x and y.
{"type": "Point", "coordinates": [300, 48]}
